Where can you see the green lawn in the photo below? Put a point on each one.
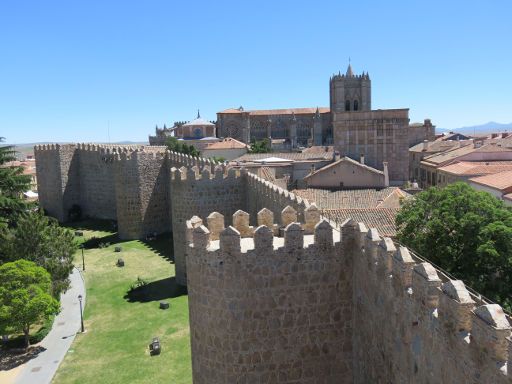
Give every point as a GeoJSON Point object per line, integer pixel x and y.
{"type": "Point", "coordinates": [121, 325]}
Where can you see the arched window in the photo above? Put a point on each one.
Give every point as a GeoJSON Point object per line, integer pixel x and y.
{"type": "Point", "coordinates": [347, 105]}
{"type": "Point", "coordinates": [356, 105]}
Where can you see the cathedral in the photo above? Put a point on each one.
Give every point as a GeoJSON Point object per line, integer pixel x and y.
{"type": "Point", "coordinates": [349, 124]}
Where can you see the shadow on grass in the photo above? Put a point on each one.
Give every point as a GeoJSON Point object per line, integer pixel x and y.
{"type": "Point", "coordinates": [99, 242]}
{"type": "Point", "coordinates": [10, 359]}
{"type": "Point", "coordinates": [155, 291]}
{"type": "Point", "coordinates": [93, 225]}
{"type": "Point", "coordinates": [162, 246]}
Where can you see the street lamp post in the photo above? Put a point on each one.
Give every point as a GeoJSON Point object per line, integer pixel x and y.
{"type": "Point", "coordinates": [81, 314]}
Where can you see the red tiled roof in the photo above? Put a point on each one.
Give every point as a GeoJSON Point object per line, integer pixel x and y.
{"type": "Point", "coordinates": [477, 168]}
{"type": "Point", "coordinates": [227, 143]}
{"type": "Point", "coordinates": [295, 156]}
{"type": "Point", "coordinates": [440, 146]}
{"type": "Point", "coordinates": [344, 160]}
{"type": "Point", "coordinates": [287, 111]}
{"type": "Point", "coordinates": [353, 198]}
{"type": "Point", "coordinates": [381, 218]}
{"type": "Point", "coordinates": [319, 149]}
{"type": "Point", "coordinates": [501, 181]}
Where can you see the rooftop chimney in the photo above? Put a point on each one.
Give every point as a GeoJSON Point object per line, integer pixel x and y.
{"type": "Point", "coordinates": [361, 160]}
{"type": "Point", "coordinates": [425, 145]}
{"type": "Point", "coordinates": [386, 174]}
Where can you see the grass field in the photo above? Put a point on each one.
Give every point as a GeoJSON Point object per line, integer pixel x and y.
{"type": "Point", "coordinates": [121, 323]}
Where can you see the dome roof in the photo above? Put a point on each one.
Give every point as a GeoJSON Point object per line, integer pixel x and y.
{"type": "Point", "coordinates": [198, 121]}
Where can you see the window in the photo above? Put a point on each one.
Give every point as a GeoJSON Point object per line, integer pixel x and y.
{"type": "Point", "coordinates": [347, 105]}
{"type": "Point", "coordinates": [356, 105]}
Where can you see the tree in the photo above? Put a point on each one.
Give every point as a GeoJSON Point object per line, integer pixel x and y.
{"type": "Point", "coordinates": [40, 239]}
{"type": "Point", "coordinates": [218, 159]}
{"type": "Point", "coordinates": [25, 297]}
{"type": "Point", "coordinates": [12, 185]}
{"type": "Point", "coordinates": [466, 232]}
{"type": "Point", "coordinates": [261, 146]}
{"type": "Point", "coordinates": [173, 144]}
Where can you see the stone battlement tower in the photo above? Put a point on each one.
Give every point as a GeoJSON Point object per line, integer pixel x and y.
{"type": "Point", "coordinates": [350, 92]}
{"type": "Point", "coordinates": [309, 303]}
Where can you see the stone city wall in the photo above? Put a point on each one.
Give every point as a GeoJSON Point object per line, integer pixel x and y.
{"type": "Point", "coordinates": [142, 193]}
{"type": "Point", "coordinates": [97, 189]}
{"type": "Point", "coordinates": [194, 193]}
{"type": "Point", "coordinates": [265, 309]}
{"type": "Point", "coordinates": [413, 324]}
{"type": "Point", "coordinates": [58, 179]}
{"type": "Point", "coordinates": [264, 194]}
{"type": "Point", "coordinates": [129, 183]}
{"type": "Point", "coordinates": [384, 315]}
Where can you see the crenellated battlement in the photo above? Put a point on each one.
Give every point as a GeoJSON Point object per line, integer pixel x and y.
{"type": "Point", "coordinates": [204, 173]}
{"type": "Point", "coordinates": [431, 301]}
{"type": "Point", "coordinates": [405, 320]}
{"type": "Point", "coordinates": [263, 193]}
{"type": "Point", "coordinates": [267, 296]}
{"type": "Point", "coordinates": [116, 152]}
{"type": "Point", "coordinates": [267, 236]}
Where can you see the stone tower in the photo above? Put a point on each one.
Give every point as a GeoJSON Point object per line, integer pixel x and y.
{"type": "Point", "coordinates": [350, 92]}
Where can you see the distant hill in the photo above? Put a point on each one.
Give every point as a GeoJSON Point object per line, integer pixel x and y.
{"type": "Point", "coordinates": [489, 127]}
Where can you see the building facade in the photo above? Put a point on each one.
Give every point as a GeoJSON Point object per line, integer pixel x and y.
{"type": "Point", "coordinates": [349, 124]}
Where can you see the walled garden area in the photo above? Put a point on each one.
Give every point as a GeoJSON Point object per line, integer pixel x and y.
{"type": "Point", "coordinates": [120, 321]}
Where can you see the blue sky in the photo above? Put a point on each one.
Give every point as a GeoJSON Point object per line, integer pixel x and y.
{"type": "Point", "coordinates": [76, 71]}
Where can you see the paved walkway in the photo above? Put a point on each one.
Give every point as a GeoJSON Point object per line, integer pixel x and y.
{"type": "Point", "coordinates": [42, 368]}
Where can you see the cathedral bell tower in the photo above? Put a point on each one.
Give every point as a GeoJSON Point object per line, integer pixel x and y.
{"type": "Point", "coordinates": [350, 92]}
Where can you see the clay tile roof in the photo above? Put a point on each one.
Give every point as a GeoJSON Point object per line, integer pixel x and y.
{"type": "Point", "coordinates": [493, 147]}
{"type": "Point", "coordinates": [381, 218]}
{"type": "Point", "coordinates": [232, 110]}
{"type": "Point", "coordinates": [345, 160]}
{"type": "Point", "coordinates": [319, 149]}
{"type": "Point", "coordinates": [440, 158]}
{"type": "Point", "coordinates": [477, 168]}
{"type": "Point", "coordinates": [501, 181]}
{"type": "Point", "coordinates": [287, 111]}
{"type": "Point", "coordinates": [227, 143]}
{"type": "Point", "coordinates": [508, 196]}
{"type": "Point", "coordinates": [353, 198]}
{"type": "Point", "coordinates": [440, 146]}
{"type": "Point", "coordinates": [296, 156]}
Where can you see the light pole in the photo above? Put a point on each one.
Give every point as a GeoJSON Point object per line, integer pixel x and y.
{"type": "Point", "coordinates": [81, 315]}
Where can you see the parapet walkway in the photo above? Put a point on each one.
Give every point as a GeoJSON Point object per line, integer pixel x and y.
{"type": "Point", "coordinates": [42, 368]}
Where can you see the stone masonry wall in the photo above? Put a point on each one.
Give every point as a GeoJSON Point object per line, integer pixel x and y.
{"type": "Point", "coordinates": [129, 183]}
{"type": "Point", "coordinates": [264, 194]}
{"type": "Point", "coordinates": [194, 193]}
{"type": "Point", "coordinates": [412, 324]}
{"type": "Point", "coordinates": [254, 306]}
{"type": "Point", "coordinates": [264, 313]}
{"type": "Point", "coordinates": [97, 189]}
{"type": "Point", "coordinates": [58, 178]}
{"type": "Point", "coordinates": [381, 135]}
